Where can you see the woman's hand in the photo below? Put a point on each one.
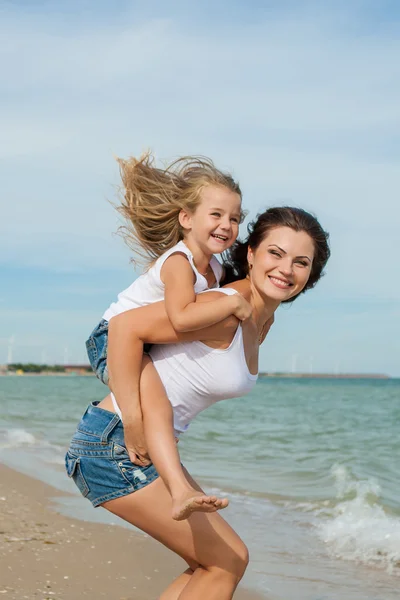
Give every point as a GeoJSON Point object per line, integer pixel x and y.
{"type": "Point", "coordinates": [266, 327]}
{"type": "Point", "coordinates": [135, 441]}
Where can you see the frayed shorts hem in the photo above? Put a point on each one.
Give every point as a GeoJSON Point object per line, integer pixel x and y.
{"type": "Point", "coordinates": [99, 501]}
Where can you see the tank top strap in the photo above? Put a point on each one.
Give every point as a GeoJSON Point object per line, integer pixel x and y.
{"type": "Point", "coordinates": [225, 290]}
{"type": "Point", "coordinates": [181, 248]}
{"type": "Point", "coordinates": [237, 341]}
{"type": "Point", "coordinates": [217, 268]}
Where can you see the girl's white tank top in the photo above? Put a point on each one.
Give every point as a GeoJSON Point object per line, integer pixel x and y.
{"type": "Point", "coordinates": [196, 376]}
{"type": "Point", "coordinates": [148, 288]}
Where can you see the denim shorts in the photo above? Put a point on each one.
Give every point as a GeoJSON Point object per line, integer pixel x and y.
{"type": "Point", "coordinates": [96, 346]}
{"type": "Point", "coordinates": [97, 459]}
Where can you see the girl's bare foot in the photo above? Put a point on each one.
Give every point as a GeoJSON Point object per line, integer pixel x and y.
{"type": "Point", "coordinates": [192, 500]}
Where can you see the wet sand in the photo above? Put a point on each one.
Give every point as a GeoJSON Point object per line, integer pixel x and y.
{"type": "Point", "coordinates": [45, 555]}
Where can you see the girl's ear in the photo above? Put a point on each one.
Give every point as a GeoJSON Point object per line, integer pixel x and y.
{"type": "Point", "coordinates": [185, 219]}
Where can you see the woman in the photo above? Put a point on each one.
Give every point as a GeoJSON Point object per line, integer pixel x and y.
{"type": "Point", "coordinates": [284, 255]}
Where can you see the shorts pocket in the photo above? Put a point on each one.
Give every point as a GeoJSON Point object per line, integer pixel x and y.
{"type": "Point", "coordinates": [133, 474]}
{"type": "Point", "coordinates": [74, 471]}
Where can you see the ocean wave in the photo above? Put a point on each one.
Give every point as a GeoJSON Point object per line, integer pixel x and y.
{"type": "Point", "coordinates": [359, 528]}
{"type": "Point", "coordinates": [20, 438]}
{"type": "Point", "coordinates": [15, 438]}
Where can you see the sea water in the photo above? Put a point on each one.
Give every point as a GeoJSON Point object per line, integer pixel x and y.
{"type": "Point", "coordinates": [311, 468]}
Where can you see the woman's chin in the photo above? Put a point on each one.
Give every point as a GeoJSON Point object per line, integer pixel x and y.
{"type": "Point", "coordinates": [278, 294]}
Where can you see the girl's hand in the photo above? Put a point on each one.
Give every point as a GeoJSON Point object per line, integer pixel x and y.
{"type": "Point", "coordinates": [243, 309]}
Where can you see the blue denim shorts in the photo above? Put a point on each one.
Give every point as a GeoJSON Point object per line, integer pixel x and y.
{"type": "Point", "coordinates": [96, 346]}
{"type": "Point", "coordinates": [97, 459]}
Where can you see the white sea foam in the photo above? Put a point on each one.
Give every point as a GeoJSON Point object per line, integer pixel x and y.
{"type": "Point", "coordinates": [359, 529]}
{"type": "Point", "coordinates": [15, 438]}
{"type": "Point", "coordinates": [56, 460]}
{"type": "Point", "coordinates": [20, 438]}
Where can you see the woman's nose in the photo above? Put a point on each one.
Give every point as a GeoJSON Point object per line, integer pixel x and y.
{"type": "Point", "coordinates": [286, 267]}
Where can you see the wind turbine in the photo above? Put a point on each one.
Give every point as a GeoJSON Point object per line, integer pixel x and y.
{"type": "Point", "coordinates": [10, 349]}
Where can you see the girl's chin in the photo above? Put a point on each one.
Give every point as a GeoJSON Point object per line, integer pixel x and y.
{"type": "Point", "coordinates": [216, 247]}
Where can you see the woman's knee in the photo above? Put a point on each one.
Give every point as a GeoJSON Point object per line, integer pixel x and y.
{"type": "Point", "coordinates": [240, 560]}
{"type": "Point", "coordinates": [233, 571]}
{"type": "Point", "coordinates": [232, 561]}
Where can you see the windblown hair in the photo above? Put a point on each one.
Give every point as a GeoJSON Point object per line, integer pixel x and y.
{"type": "Point", "coordinates": [152, 198]}
{"type": "Point", "coordinates": [235, 259]}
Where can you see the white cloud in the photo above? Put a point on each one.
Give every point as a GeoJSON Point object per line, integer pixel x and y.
{"type": "Point", "coordinates": [302, 107]}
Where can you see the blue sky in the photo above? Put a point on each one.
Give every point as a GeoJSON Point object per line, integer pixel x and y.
{"type": "Point", "coordinates": [301, 100]}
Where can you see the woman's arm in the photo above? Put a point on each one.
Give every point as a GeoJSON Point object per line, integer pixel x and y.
{"type": "Point", "coordinates": [182, 309]}
{"type": "Point", "coordinates": [126, 334]}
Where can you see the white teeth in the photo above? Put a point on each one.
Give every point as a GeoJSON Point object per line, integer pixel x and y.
{"type": "Point", "coordinates": [280, 281]}
{"type": "Point", "coordinates": [220, 237]}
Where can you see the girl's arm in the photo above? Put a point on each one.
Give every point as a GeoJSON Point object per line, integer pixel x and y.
{"type": "Point", "coordinates": [182, 309]}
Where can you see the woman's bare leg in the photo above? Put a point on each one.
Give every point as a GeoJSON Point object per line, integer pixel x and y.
{"type": "Point", "coordinates": [174, 590]}
{"type": "Point", "coordinates": [159, 434]}
{"type": "Point", "coordinates": [203, 539]}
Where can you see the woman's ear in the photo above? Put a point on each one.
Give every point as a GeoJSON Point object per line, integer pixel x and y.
{"type": "Point", "coordinates": [250, 257]}
{"type": "Point", "coordinates": [185, 219]}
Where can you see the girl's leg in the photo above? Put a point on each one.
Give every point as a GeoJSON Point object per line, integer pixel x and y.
{"type": "Point", "coordinates": [159, 434]}
{"type": "Point", "coordinates": [215, 553]}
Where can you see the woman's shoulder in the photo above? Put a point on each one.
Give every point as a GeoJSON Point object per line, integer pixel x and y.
{"type": "Point", "coordinates": [242, 286]}
{"type": "Point", "coordinates": [237, 287]}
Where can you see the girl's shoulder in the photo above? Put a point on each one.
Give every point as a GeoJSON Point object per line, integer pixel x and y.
{"type": "Point", "coordinates": [180, 248]}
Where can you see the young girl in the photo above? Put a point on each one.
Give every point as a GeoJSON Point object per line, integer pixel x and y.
{"type": "Point", "coordinates": [177, 218]}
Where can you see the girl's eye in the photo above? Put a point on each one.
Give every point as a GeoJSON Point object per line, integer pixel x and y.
{"type": "Point", "coordinates": [235, 220]}
{"type": "Point", "coordinates": [216, 214]}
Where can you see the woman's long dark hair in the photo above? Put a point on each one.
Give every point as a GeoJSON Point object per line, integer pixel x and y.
{"type": "Point", "coordinates": [235, 259]}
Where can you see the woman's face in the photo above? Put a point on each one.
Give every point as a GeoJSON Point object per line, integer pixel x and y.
{"type": "Point", "coordinates": [281, 265]}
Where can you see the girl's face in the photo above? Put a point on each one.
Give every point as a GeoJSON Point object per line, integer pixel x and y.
{"type": "Point", "coordinates": [214, 225]}
{"type": "Point", "coordinates": [281, 265]}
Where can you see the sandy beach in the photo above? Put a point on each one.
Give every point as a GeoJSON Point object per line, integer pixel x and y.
{"type": "Point", "coordinates": [45, 555]}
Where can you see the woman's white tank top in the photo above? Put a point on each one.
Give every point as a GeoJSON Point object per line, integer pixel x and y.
{"type": "Point", "coordinates": [196, 376]}
{"type": "Point", "coordinates": [148, 288]}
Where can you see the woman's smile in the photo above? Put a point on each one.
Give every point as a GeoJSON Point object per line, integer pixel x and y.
{"type": "Point", "coordinates": [280, 283]}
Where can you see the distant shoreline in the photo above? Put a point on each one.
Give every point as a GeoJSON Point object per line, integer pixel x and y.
{"type": "Point", "coordinates": [44, 374]}
{"type": "Point", "coordinates": [83, 372]}
{"type": "Point", "coordinates": [325, 375]}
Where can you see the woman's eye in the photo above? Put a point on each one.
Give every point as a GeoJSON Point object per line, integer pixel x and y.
{"type": "Point", "coordinates": [302, 263]}
{"type": "Point", "coordinates": [275, 253]}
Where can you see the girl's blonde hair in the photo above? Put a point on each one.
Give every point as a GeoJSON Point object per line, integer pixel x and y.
{"type": "Point", "coordinates": [152, 198]}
